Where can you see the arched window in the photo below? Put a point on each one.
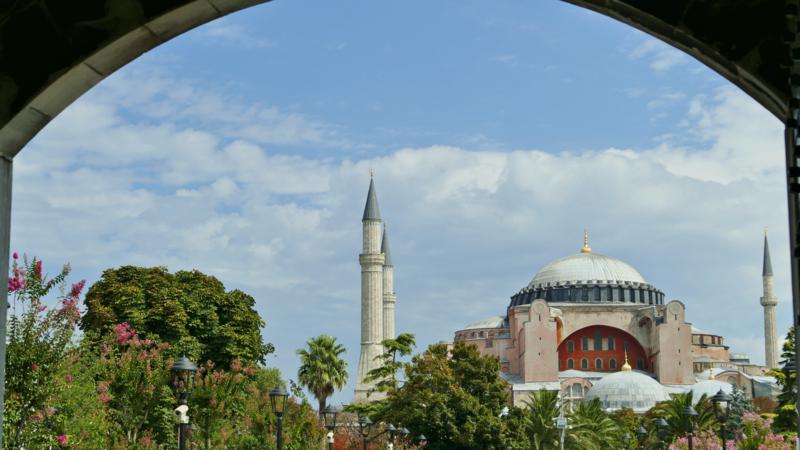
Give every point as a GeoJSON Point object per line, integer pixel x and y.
{"type": "Point", "coordinates": [639, 364]}
{"type": "Point", "coordinates": [584, 363]}
{"type": "Point", "coordinates": [585, 343]}
{"type": "Point", "coordinates": [611, 343]}
{"type": "Point", "coordinates": [596, 294]}
{"type": "Point", "coordinates": [585, 294]}
{"type": "Point", "coordinates": [598, 341]}
{"type": "Point", "coordinates": [598, 364]}
{"type": "Point", "coordinates": [570, 346]}
{"type": "Point", "coordinates": [612, 363]}
{"type": "Point", "coordinates": [570, 363]}
{"type": "Point", "coordinates": [576, 390]}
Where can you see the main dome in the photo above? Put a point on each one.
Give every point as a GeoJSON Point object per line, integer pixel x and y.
{"type": "Point", "coordinates": [586, 267]}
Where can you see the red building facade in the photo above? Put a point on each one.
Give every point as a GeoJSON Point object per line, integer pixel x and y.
{"type": "Point", "coordinates": [600, 348]}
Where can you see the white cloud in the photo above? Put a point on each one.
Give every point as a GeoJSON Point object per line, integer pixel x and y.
{"type": "Point", "coordinates": [661, 56]}
{"type": "Point", "coordinates": [468, 228]}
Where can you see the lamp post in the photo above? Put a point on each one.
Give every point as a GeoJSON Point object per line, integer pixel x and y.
{"type": "Point", "coordinates": [422, 440]}
{"type": "Point", "coordinates": [722, 403]}
{"type": "Point", "coordinates": [329, 414]}
{"type": "Point", "coordinates": [277, 399]}
{"type": "Point", "coordinates": [626, 439]}
{"type": "Point", "coordinates": [641, 434]}
{"type": "Point", "coordinates": [392, 432]}
{"type": "Point", "coordinates": [183, 372]}
{"type": "Point", "coordinates": [690, 414]}
{"type": "Point", "coordinates": [404, 433]}
{"type": "Point", "coordinates": [661, 429]}
{"type": "Point", "coordinates": [364, 426]}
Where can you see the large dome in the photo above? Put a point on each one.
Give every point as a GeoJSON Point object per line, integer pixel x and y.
{"type": "Point", "coordinates": [586, 267]}
{"type": "Point", "coordinates": [627, 389]}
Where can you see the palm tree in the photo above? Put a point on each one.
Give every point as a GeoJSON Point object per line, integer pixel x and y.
{"type": "Point", "coordinates": [592, 428]}
{"type": "Point", "coordinates": [672, 411]}
{"type": "Point", "coordinates": [322, 370]}
{"type": "Point", "coordinates": [542, 412]}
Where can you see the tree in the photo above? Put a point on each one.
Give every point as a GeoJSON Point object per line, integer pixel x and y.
{"type": "Point", "coordinates": [38, 342]}
{"type": "Point", "coordinates": [672, 411]}
{"type": "Point", "coordinates": [542, 409]}
{"type": "Point", "coordinates": [188, 309]}
{"type": "Point", "coordinates": [591, 428]}
{"type": "Point", "coordinates": [740, 404]}
{"type": "Point", "coordinates": [385, 375]}
{"type": "Point", "coordinates": [322, 369]}
{"type": "Point", "coordinates": [787, 410]}
{"type": "Point", "coordinates": [455, 398]}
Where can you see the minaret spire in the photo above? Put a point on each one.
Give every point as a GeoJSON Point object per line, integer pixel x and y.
{"type": "Point", "coordinates": [389, 296]}
{"type": "Point", "coordinates": [768, 301]}
{"type": "Point", "coordinates": [371, 260]}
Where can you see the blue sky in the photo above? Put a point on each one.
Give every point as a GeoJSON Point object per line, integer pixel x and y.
{"type": "Point", "coordinates": [497, 134]}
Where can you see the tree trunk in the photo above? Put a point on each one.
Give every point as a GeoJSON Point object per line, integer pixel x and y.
{"type": "Point", "coordinates": [322, 408]}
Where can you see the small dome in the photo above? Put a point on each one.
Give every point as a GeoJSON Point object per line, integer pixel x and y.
{"type": "Point", "coordinates": [709, 388]}
{"type": "Point", "coordinates": [491, 322]}
{"type": "Point", "coordinates": [627, 389]}
{"type": "Point", "coordinates": [585, 267]}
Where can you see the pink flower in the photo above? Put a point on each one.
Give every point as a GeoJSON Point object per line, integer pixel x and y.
{"type": "Point", "coordinates": [62, 439]}
{"type": "Point", "coordinates": [68, 379]}
{"type": "Point", "coordinates": [15, 255]}
{"type": "Point", "coordinates": [37, 267]}
{"type": "Point", "coordinates": [124, 333]}
{"type": "Point", "coordinates": [77, 288]}
{"type": "Point", "coordinates": [34, 366]}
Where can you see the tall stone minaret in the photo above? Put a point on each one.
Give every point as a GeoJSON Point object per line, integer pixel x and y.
{"type": "Point", "coordinates": [389, 297]}
{"type": "Point", "coordinates": [768, 301]}
{"type": "Point", "coordinates": [371, 260]}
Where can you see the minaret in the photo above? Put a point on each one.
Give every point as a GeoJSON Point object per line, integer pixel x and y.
{"type": "Point", "coordinates": [371, 260]}
{"type": "Point", "coordinates": [389, 297]}
{"type": "Point", "coordinates": [768, 301]}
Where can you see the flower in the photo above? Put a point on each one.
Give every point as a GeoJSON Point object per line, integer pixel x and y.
{"type": "Point", "coordinates": [63, 439]}
{"type": "Point", "coordinates": [34, 366]}
{"type": "Point", "coordinates": [68, 379]}
{"type": "Point", "coordinates": [15, 255]}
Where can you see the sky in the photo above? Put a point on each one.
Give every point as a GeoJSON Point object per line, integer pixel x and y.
{"type": "Point", "coordinates": [497, 133]}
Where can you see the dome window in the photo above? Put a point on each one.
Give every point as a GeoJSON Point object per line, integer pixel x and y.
{"type": "Point", "coordinates": [598, 364]}
{"type": "Point", "coordinates": [570, 363]}
{"type": "Point", "coordinates": [584, 363]}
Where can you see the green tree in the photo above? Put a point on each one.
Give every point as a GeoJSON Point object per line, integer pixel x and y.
{"type": "Point", "coordinates": [322, 369]}
{"type": "Point", "coordinates": [740, 404]}
{"type": "Point", "coordinates": [542, 409]}
{"type": "Point", "coordinates": [592, 428]}
{"type": "Point", "coordinates": [455, 398]}
{"type": "Point", "coordinates": [787, 410]}
{"type": "Point", "coordinates": [189, 310]}
{"type": "Point", "coordinates": [672, 411]}
{"type": "Point", "coordinates": [217, 402]}
{"type": "Point", "coordinates": [38, 342]}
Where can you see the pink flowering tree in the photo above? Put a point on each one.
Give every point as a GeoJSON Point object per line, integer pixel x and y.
{"type": "Point", "coordinates": [39, 339]}
{"type": "Point", "coordinates": [756, 434]}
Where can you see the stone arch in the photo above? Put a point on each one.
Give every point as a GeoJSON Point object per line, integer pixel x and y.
{"type": "Point", "coordinates": [109, 34]}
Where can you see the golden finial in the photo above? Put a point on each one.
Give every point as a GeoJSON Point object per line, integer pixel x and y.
{"type": "Point", "coordinates": [626, 367]}
{"type": "Point", "coordinates": [711, 373]}
{"type": "Point", "coordinates": [586, 248]}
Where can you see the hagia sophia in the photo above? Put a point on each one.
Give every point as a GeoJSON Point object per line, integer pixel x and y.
{"type": "Point", "coordinates": [587, 325]}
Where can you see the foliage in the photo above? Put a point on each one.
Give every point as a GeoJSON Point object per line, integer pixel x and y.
{"type": "Point", "coordinates": [38, 340]}
{"type": "Point", "coordinates": [679, 424]}
{"type": "Point", "coordinates": [740, 404]}
{"type": "Point", "coordinates": [592, 428]}
{"type": "Point", "coordinates": [322, 369]}
{"type": "Point", "coordinates": [385, 375]}
{"type": "Point", "coordinates": [218, 402]}
{"type": "Point", "coordinates": [542, 410]}
{"type": "Point", "coordinates": [454, 399]}
{"type": "Point", "coordinates": [756, 434]}
{"type": "Point", "coordinates": [787, 410]}
{"type": "Point", "coordinates": [188, 309]}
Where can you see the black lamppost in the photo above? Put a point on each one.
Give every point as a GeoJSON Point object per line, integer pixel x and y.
{"type": "Point", "coordinates": [392, 432]}
{"type": "Point", "coordinates": [329, 414]}
{"type": "Point", "coordinates": [277, 399]}
{"type": "Point", "coordinates": [641, 434]}
{"type": "Point", "coordinates": [661, 429]}
{"type": "Point", "coordinates": [626, 439]}
{"type": "Point", "coordinates": [690, 414]}
{"type": "Point", "coordinates": [404, 435]}
{"type": "Point", "coordinates": [364, 427]}
{"type": "Point", "coordinates": [422, 440]}
{"type": "Point", "coordinates": [183, 373]}
{"type": "Point", "coordinates": [722, 403]}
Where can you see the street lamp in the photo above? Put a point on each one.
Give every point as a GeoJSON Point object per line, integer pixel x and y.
{"type": "Point", "coordinates": [404, 435]}
{"type": "Point", "coordinates": [661, 429]}
{"type": "Point", "coordinates": [329, 414]}
{"type": "Point", "coordinates": [392, 432]}
{"type": "Point", "coordinates": [722, 403]}
{"type": "Point", "coordinates": [690, 414]}
{"type": "Point", "coordinates": [422, 440]}
{"type": "Point", "coordinates": [641, 434]}
{"type": "Point", "coordinates": [626, 438]}
{"type": "Point", "coordinates": [277, 399]}
{"type": "Point", "coordinates": [183, 372]}
{"type": "Point", "coordinates": [364, 426]}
